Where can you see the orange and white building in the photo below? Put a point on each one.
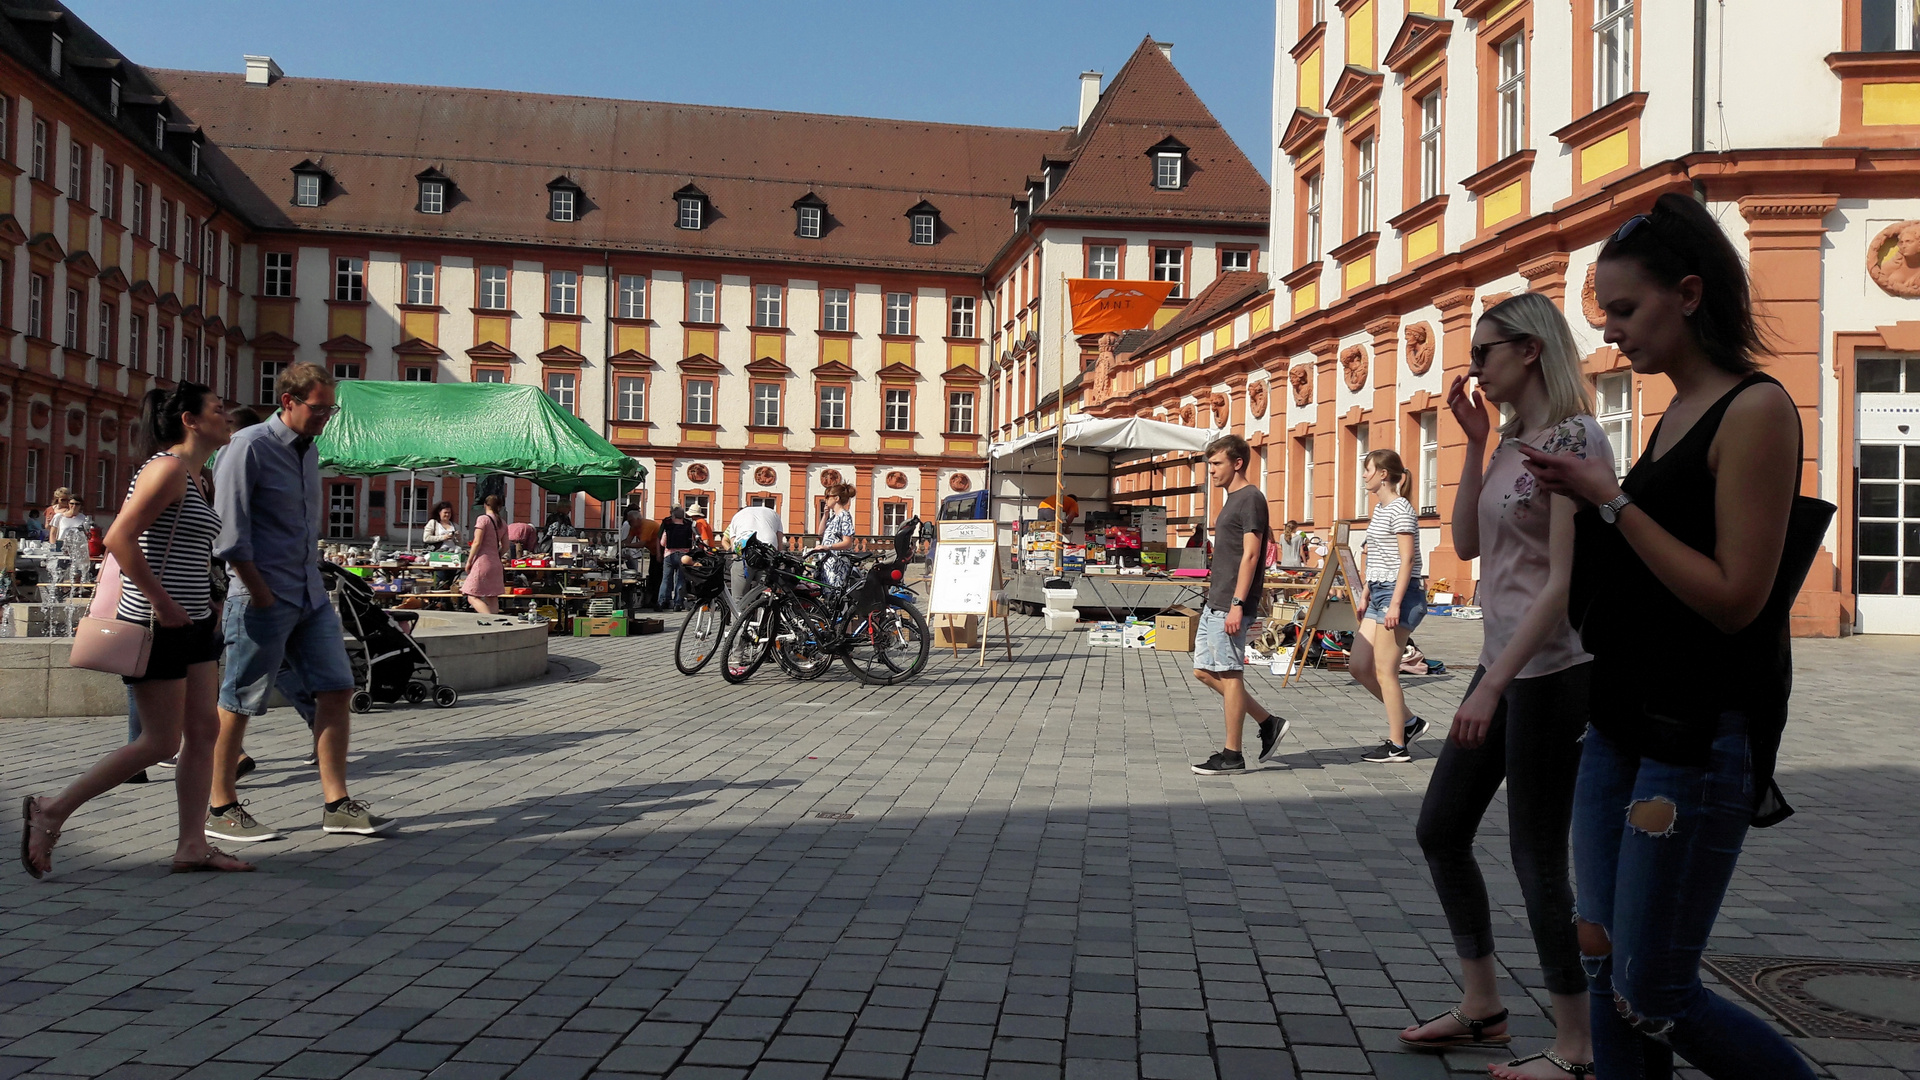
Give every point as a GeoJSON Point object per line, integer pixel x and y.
{"type": "Point", "coordinates": [1434, 157]}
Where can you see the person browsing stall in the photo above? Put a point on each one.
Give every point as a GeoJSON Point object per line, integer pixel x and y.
{"type": "Point", "coordinates": [676, 539]}
{"type": "Point", "coordinates": [1235, 584]}
{"type": "Point", "coordinates": [759, 522]}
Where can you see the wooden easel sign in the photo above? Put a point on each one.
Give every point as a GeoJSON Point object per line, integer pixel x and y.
{"type": "Point", "coordinates": [966, 579]}
{"type": "Point", "coordinates": [1337, 567]}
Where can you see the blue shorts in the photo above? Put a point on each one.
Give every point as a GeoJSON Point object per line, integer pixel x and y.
{"type": "Point", "coordinates": [1413, 606]}
{"type": "Point", "coordinates": [1216, 650]}
{"type": "Point", "coordinates": [258, 639]}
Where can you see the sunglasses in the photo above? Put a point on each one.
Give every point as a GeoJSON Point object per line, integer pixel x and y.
{"type": "Point", "coordinates": [1628, 227]}
{"type": "Point", "coordinates": [1479, 352]}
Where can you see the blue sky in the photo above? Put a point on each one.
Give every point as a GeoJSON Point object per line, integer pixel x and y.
{"type": "Point", "coordinates": [991, 62]}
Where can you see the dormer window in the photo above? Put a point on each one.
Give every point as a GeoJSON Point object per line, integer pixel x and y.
{"type": "Point", "coordinates": [436, 192]}
{"type": "Point", "coordinates": [693, 210]}
{"type": "Point", "coordinates": [53, 56]}
{"type": "Point", "coordinates": [564, 200]}
{"type": "Point", "coordinates": [1170, 165]}
{"type": "Point", "coordinates": [113, 98]}
{"type": "Point", "coordinates": [193, 158]}
{"type": "Point", "coordinates": [810, 213]}
{"type": "Point", "coordinates": [925, 224]}
{"type": "Point", "coordinates": [810, 222]}
{"type": "Point", "coordinates": [160, 132]}
{"type": "Point", "coordinates": [306, 189]}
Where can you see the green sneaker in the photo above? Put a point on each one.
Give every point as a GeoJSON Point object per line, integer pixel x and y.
{"type": "Point", "coordinates": [354, 817]}
{"type": "Point", "coordinates": [237, 825]}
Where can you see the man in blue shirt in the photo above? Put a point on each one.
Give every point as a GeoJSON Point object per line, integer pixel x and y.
{"type": "Point", "coordinates": [267, 492]}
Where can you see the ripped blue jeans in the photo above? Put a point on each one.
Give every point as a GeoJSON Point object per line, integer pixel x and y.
{"type": "Point", "coordinates": [1654, 846]}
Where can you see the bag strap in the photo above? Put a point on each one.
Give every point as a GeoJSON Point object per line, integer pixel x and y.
{"type": "Point", "coordinates": [167, 552]}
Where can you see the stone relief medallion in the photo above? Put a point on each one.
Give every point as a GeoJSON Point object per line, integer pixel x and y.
{"type": "Point", "coordinates": [1589, 301]}
{"type": "Point", "coordinates": [76, 422]}
{"type": "Point", "coordinates": [829, 478]}
{"type": "Point", "coordinates": [1301, 378]}
{"type": "Point", "coordinates": [960, 482]}
{"type": "Point", "coordinates": [697, 474]}
{"type": "Point", "coordinates": [1188, 415]}
{"type": "Point", "coordinates": [896, 480]}
{"type": "Point", "coordinates": [1353, 366]}
{"type": "Point", "coordinates": [765, 476]}
{"type": "Point", "coordinates": [1219, 404]}
{"type": "Point", "coordinates": [39, 413]}
{"type": "Point", "coordinates": [1419, 348]}
{"type": "Point", "coordinates": [1257, 398]}
{"type": "Point", "coordinates": [109, 427]}
{"type": "Point", "coordinates": [1893, 259]}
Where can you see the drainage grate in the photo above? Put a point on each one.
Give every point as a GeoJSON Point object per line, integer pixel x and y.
{"type": "Point", "coordinates": [1829, 999]}
{"type": "Point", "coordinates": [597, 679]}
{"type": "Point", "coordinates": [834, 817]}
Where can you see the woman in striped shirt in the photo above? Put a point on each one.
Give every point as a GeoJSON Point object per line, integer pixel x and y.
{"type": "Point", "coordinates": [163, 541]}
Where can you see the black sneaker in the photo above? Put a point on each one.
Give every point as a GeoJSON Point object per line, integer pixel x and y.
{"type": "Point", "coordinates": [138, 778]}
{"type": "Point", "coordinates": [170, 763]}
{"type": "Point", "coordinates": [1388, 753]}
{"type": "Point", "coordinates": [1416, 727]}
{"type": "Point", "coordinates": [1226, 761]}
{"type": "Point", "coordinates": [1272, 730]}
{"type": "Point", "coordinates": [246, 766]}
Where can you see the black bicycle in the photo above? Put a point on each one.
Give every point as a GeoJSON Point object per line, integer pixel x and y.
{"type": "Point", "coordinates": [706, 624]}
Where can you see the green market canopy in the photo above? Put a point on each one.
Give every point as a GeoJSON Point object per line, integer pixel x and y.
{"type": "Point", "coordinates": [472, 429]}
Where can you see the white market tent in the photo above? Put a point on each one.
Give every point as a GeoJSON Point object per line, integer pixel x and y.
{"type": "Point", "coordinates": [1112, 436]}
{"type": "Point", "coordinates": [1023, 468]}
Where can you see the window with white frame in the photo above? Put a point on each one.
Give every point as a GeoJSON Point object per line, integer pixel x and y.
{"type": "Point", "coordinates": [900, 314]}
{"type": "Point", "coordinates": [57, 53]}
{"type": "Point", "coordinates": [342, 505]}
{"type": "Point", "coordinates": [420, 373]}
{"type": "Point", "coordinates": [633, 296]}
{"type": "Point", "coordinates": [632, 398]}
{"type": "Point", "coordinates": [33, 476]}
{"type": "Point", "coordinates": [1362, 440]}
{"type": "Point", "coordinates": [160, 131]}
{"type": "Point", "coordinates": [39, 169]}
{"type": "Point", "coordinates": [692, 212]}
{"type": "Point", "coordinates": [109, 192]}
{"type": "Point", "coordinates": [1166, 171]}
{"type": "Point", "coordinates": [493, 288]}
{"type": "Point", "coordinates": [270, 380]}
{"type": "Point", "coordinates": [1103, 261]}
{"type": "Point", "coordinates": [306, 189]}
{"type": "Point", "coordinates": [189, 239]}
{"type": "Point", "coordinates": [137, 342]}
{"type": "Point", "coordinates": [701, 296]}
{"type": "Point", "coordinates": [70, 335]}
{"type": "Point", "coordinates": [1889, 25]}
{"type": "Point", "coordinates": [560, 204]}
{"type": "Point", "coordinates": [76, 171]}
{"type": "Point", "coordinates": [893, 515]}
{"type": "Point", "coordinates": [102, 478]}
{"type": "Point", "coordinates": [163, 351]}
{"type": "Point", "coordinates": [833, 407]}
{"type": "Point", "coordinates": [208, 261]}
{"type": "Point", "coordinates": [766, 305]}
{"type": "Point", "coordinates": [811, 218]}
{"type": "Point", "coordinates": [103, 337]}
{"type": "Point", "coordinates": [1169, 264]}
{"type": "Point", "coordinates": [899, 409]}
{"type": "Point", "coordinates": [693, 502]}
{"type": "Point", "coordinates": [433, 196]}
{"type": "Point", "coordinates": [420, 281]}
{"type": "Point", "coordinates": [1314, 184]}
{"type": "Point", "coordinates": [139, 209]}
{"type": "Point", "coordinates": [163, 226]}
{"type": "Point", "coordinates": [563, 292]}
{"type": "Point", "coordinates": [1613, 50]}
{"type": "Point", "coordinates": [276, 278]}
{"type": "Point", "coordinates": [414, 500]}
{"type": "Point", "coordinates": [699, 401]}
{"type": "Point", "coordinates": [766, 405]}
{"type": "Point", "coordinates": [836, 310]}
{"type": "Point", "coordinates": [1363, 177]}
{"type": "Point", "coordinates": [1430, 114]}
{"type": "Point", "coordinates": [342, 369]}
{"type": "Point", "coordinates": [960, 320]}
{"type": "Point", "coordinates": [1430, 462]}
{"type": "Point", "coordinates": [1615, 414]}
{"type": "Point", "coordinates": [349, 279]}
{"type": "Point", "coordinates": [1512, 94]}
{"type": "Point", "coordinates": [1235, 259]}
{"type": "Point", "coordinates": [561, 387]}
{"type": "Point", "coordinates": [923, 229]}
{"type": "Point", "coordinates": [113, 97]}
{"type": "Point", "coordinates": [771, 502]}
{"type": "Point", "coordinates": [36, 305]}
{"type": "Point", "coordinates": [960, 412]}
{"type": "Point", "coordinates": [490, 375]}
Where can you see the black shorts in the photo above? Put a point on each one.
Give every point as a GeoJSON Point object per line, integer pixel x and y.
{"type": "Point", "coordinates": [176, 648]}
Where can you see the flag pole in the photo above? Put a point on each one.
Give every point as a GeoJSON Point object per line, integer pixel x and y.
{"type": "Point", "coordinates": [1060, 439]}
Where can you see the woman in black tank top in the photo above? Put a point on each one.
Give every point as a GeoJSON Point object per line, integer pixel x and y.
{"type": "Point", "coordinates": [1684, 731]}
{"type": "Point", "coordinates": [162, 539]}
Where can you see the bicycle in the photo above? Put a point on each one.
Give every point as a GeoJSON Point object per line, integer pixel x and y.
{"type": "Point", "coordinates": [705, 627]}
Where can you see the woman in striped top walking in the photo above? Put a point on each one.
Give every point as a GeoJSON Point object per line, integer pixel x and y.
{"type": "Point", "coordinates": [163, 541]}
{"type": "Point", "coordinates": [1396, 600]}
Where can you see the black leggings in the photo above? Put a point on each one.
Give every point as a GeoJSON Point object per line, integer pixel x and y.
{"type": "Point", "coordinates": [1534, 745]}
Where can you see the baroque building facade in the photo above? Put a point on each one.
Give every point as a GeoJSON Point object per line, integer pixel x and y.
{"type": "Point", "coordinates": [1433, 158]}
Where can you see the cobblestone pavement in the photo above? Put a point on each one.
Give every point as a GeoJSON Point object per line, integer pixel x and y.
{"type": "Point", "coordinates": [1004, 871]}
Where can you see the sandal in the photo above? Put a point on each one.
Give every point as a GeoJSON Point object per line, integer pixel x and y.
{"type": "Point", "coordinates": [1551, 1058]}
{"type": "Point", "coordinates": [208, 866]}
{"type": "Point", "coordinates": [1474, 1035]}
{"type": "Point", "coordinates": [28, 807]}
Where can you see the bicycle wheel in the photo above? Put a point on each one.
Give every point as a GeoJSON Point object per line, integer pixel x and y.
{"type": "Point", "coordinates": [700, 635]}
{"type": "Point", "coordinates": [800, 645]}
{"type": "Point", "coordinates": [891, 645]}
{"type": "Point", "coordinates": [748, 642]}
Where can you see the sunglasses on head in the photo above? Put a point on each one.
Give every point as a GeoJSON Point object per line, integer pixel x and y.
{"type": "Point", "coordinates": [1628, 227]}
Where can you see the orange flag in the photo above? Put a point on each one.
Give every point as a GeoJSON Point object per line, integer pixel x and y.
{"type": "Point", "coordinates": [1101, 305]}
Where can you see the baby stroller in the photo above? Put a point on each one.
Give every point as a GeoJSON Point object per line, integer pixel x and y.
{"type": "Point", "coordinates": [391, 665]}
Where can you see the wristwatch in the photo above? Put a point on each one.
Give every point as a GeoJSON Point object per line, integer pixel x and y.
{"type": "Point", "coordinates": [1237, 602]}
{"type": "Point", "coordinates": [1610, 510]}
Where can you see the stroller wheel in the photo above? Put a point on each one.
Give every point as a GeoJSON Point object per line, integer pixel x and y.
{"type": "Point", "coordinates": [360, 702]}
{"type": "Point", "coordinates": [445, 697]}
{"type": "Point", "coordinates": [416, 692]}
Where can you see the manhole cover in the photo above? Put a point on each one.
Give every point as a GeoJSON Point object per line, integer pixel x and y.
{"type": "Point", "coordinates": [1830, 999]}
{"type": "Point", "coordinates": [834, 817]}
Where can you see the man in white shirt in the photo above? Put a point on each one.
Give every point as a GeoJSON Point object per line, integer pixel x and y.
{"type": "Point", "coordinates": [760, 522]}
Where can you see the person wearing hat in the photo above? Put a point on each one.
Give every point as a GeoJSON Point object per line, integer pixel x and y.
{"type": "Point", "coordinates": [676, 539]}
{"type": "Point", "coordinates": [698, 515]}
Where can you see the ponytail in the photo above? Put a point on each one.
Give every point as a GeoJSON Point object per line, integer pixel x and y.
{"type": "Point", "coordinates": [163, 411]}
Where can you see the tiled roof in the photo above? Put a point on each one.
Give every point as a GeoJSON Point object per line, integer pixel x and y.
{"type": "Point", "coordinates": [501, 149]}
{"type": "Point", "coordinates": [1112, 173]}
{"type": "Point", "coordinates": [1227, 290]}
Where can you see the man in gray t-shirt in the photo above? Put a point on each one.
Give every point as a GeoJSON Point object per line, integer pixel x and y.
{"type": "Point", "coordinates": [1236, 582]}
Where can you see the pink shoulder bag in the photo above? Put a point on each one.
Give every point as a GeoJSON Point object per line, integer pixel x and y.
{"type": "Point", "coordinates": [114, 645]}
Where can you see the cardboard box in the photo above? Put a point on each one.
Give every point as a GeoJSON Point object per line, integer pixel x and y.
{"type": "Point", "coordinates": [963, 632]}
{"type": "Point", "coordinates": [1138, 635]}
{"type": "Point", "coordinates": [1174, 629]}
{"type": "Point", "coordinates": [1106, 635]}
{"type": "Point", "coordinates": [599, 626]}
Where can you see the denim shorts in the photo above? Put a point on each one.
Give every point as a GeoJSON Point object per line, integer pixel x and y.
{"type": "Point", "coordinates": [258, 639]}
{"type": "Point", "coordinates": [1413, 606]}
{"type": "Point", "coordinates": [1216, 650]}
